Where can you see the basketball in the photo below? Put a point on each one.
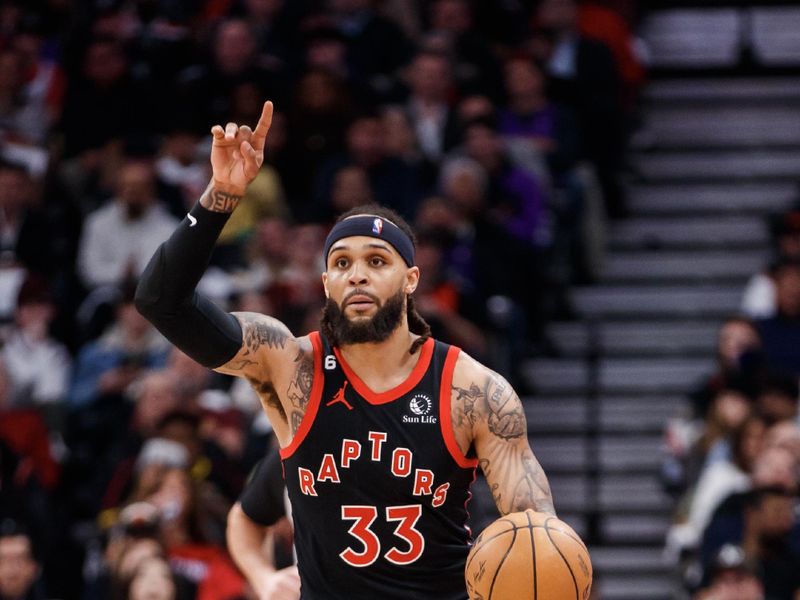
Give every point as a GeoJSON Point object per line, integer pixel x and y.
{"type": "Point", "coordinates": [528, 555]}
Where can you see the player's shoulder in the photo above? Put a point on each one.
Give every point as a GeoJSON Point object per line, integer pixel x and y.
{"type": "Point", "coordinates": [469, 371]}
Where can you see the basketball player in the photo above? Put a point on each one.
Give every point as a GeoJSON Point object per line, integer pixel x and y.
{"type": "Point", "coordinates": [380, 427]}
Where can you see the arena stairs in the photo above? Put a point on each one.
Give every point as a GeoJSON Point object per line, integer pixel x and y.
{"type": "Point", "coordinates": [718, 150]}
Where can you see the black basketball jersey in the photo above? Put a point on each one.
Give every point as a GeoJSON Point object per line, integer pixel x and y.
{"type": "Point", "coordinates": [379, 485]}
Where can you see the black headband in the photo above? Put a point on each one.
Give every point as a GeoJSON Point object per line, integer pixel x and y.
{"type": "Point", "coordinates": [372, 226]}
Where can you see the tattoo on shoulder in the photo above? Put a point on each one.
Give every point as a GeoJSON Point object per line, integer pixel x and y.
{"type": "Point", "coordinates": [258, 333]}
{"type": "Point", "coordinates": [506, 418]}
{"type": "Point", "coordinates": [494, 401]}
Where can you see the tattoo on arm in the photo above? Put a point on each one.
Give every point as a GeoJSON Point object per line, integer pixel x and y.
{"type": "Point", "coordinates": [516, 479]}
{"type": "Point", "coordinates": [257, 333]}
{"type": "Point", "coordinates": [222, 202]}
{"type": "Point", "coordinates": [299, 390]}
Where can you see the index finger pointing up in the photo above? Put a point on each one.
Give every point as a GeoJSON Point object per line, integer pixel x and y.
{"type": "Point", "coordinates": [260, 133]}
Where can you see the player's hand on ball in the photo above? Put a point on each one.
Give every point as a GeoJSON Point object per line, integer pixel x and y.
{"type": "Point", "coordinates": [280, 585]}
{"type": "Point", "coordinates": [237, 152]}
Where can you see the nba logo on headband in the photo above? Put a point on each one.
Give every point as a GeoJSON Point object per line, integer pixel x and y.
{"type": "Point", "coordinates": [377, 226]}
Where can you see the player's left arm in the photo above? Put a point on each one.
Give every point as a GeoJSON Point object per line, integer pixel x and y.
{"type": "Point", "coordinates": [487, 415]}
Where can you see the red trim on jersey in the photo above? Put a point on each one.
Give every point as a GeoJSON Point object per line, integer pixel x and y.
{"type": "Point", "coordinates": [313, 400]}
{"type": "Point", "coordinates": [409, 384]}
{"type": "Point", "coordinates": [445, 419]}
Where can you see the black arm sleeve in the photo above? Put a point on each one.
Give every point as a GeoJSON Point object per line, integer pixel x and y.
{"type": "Point", "coordinates": [166, 293]}
{"type": "Point", "coordinates": [262, 497]}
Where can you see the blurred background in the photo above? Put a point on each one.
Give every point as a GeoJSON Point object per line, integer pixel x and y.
{"type": "Point", "coordinates": [605, 196]}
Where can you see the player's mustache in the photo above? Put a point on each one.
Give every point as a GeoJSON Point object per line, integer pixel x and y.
{"type": "Point", "coordinates": [357, 292]}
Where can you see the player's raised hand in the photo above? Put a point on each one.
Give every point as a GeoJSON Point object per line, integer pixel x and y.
{"type": "Point", "coordinates": [237, 153]}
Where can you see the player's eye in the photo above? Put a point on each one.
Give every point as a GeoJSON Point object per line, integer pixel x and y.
{"type": "Point", "coordinates": [341, 263]}
{"type": "Point", "coordinates": [377, 261]}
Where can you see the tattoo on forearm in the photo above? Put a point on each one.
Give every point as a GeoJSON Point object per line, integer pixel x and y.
{"type": "Point", "coordinates": [223, 202]}
{"type": "Point", "coordinates": [299, 390]}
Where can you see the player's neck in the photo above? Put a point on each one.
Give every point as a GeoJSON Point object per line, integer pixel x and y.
{"type": "Point", "coordinates": [385, 364]}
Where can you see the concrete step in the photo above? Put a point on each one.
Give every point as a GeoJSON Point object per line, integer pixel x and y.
{"type": "Point", "coordinates": [701, 232]}
{"type": "Point", "coordinates": [615, 414]}
{"type": "Point", "coordinates": [739, 90]}
{"type": "Point", "coordinates": [729, 265]}
{"type": "Point", "coordinates": [692, 38]}
{"type": "Point", "coordinates": [636, 338]}
{"type": "Point", "coordinates": [565, 454]}
{"type": "Point", "coordinates": [662, 302]}
{"type": "Point", "coordinates": [629, 493]}
{"type": "Point", "coordinates": [634, 529]}
{"type": "Point", "coordinates": [774, 35]}
{"type": "Point", "coordinates": [718, 165]}
{"type": "Point", "coordinates": [626, 454]}
{"type": "Point", "coordinates": [627, 376]}
{"type": "Point", "coordinates": [626, 587]}
{"type": "Point", "coordinates": [719, 198]}
{"type": "Point", "coordinates": [628, 560]}
{"type": "Point", "coordinates": [714, 126]}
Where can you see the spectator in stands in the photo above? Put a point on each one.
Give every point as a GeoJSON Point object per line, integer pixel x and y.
{"type": "Point", "coordinates": [776, 400]}
{"type": "Point", "coordinates": [718, 481]}
{"type": "Point", "coordinates": [780, 334]}
{"type": "Point", "coordinates": [693, 445]}
{"type": "Point", "coordinates": [759, 298]}
{"type": "Point", "coordinates": [19, 569]}
{"type": "Point", "coordinates": [376, 47]}
{"type": "Point", "coordinates": [38, 365]}
{"type": "Point", "coordinates": [740, 363]}
{"type": "Point", "coordinates": [766, 532]}
{"type": "Point", "coordinates": [25, 434]}
{"type": "Point", "coordinates": [118, 237]}
{"type": "Point", "coordinates": [107, 366]}
{"type": "Point", "coordinates": [733, 577]}
{"type": "Point", "coordinates": [428, 107]}
{"type": "Point", "coordinates": [183, 528]}
{"type": "Point", "coordinates": [516, 198]}
{"type": "Point", "coordinates": [394, 183]}
{"type": "Point", "coordinates": [317, 118]}
{"type": "Point", "coordinates": [233, 60]}
{"type": "Point", "coordinates": [438, 300]}
{"type": "Point", "coordinates": [584, 76]}
{"type": "Point", "coordinates": [102, 94]}
{"type": "Point", "coordinates": [475, 68]}
{"type": "Point", "coordinates": [27, 238]}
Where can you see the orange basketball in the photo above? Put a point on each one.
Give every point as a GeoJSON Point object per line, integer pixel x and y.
{"type": "Point", "coordinates": [528, 555]}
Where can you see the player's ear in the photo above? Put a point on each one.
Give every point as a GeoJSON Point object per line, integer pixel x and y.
{"type": "Point", "coordinates": [412, 279]}
{"type": "Point", "coordinates": [325, 284]}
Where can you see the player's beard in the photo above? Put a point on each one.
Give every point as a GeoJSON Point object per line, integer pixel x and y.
{"type": "Point", "coordinates": [341, 331]}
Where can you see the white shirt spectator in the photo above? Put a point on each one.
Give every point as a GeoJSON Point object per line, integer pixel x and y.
{"type": "Point", "coordinates": [114, 246]}
{"type": "Point", "coordinates": [39, 368]}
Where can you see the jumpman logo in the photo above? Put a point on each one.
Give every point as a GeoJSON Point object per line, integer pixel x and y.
{"type": "Point", "coordinates": [339, 397]}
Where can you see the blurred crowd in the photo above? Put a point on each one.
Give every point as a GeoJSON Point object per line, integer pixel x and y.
{"type": "Point", "coordinates": [497, 128]}
{"type": "Point", "coordinates": [734, 461]}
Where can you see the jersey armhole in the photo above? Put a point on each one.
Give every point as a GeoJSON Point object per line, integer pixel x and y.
{"type": "Point", "coordinates": [313, 400]}
{"type": "Point", "coordinates": [445, 416]}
